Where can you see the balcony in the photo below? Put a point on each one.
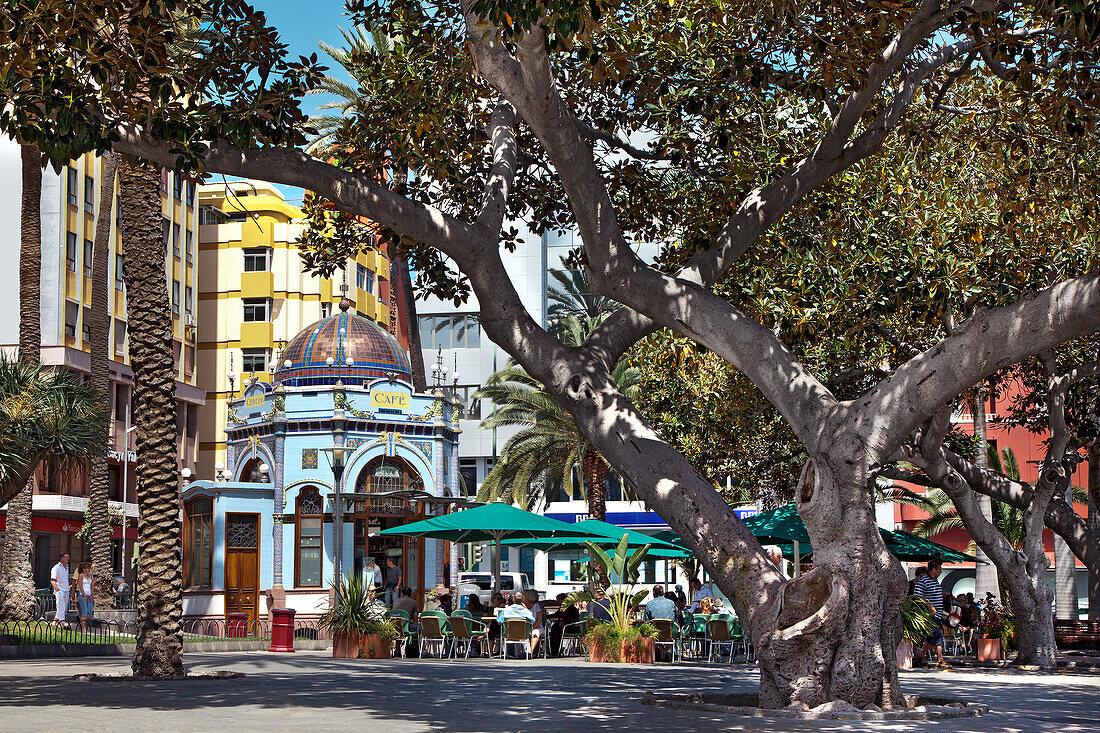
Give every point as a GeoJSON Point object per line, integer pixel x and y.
{"type": "Point", "coordinates": [257, 284]}
{"type": "Point", "coordinates": [258, 234]}
{"type": "Point", "coordinates": [258, 334]}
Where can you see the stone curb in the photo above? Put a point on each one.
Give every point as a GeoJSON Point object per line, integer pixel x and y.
{"type": "Point", "coordinates": [931, 709]}
{"type": "Point", "coordinates": [50, 651]}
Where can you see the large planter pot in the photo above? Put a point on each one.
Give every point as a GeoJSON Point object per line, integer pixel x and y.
{"type": "Point", "coordinates": [375, 646]}
{"type": "Point", "coordinates": [346, 645]}
{"type": "Point", "coordinates": [989, 649]}
{"type": "Point", "coordinates": [628, 651]}
{"type": "Point", "coordinates": [905, 654]}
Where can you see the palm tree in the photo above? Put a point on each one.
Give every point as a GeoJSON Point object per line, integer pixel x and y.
{"type": "Point", "coordinates": [17, 590]}
{"type": "Point", "coordinates": [549, 450]}
{"type": "Point", "coordinates": [159, 650]}
{"type": "Point", "coordinates": [346, 105]}
{"type": "Point", "coordinates": [98, 516]}
{"type": "Point", "coordinates": [570, 295]}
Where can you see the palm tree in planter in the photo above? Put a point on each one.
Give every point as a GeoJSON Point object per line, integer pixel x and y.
{"type": "Point", "coordinates": [358, 621]}
{"type": "Point", "coordinates": [619, 640]}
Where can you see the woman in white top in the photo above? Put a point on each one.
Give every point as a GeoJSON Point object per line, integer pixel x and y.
{"type": "Point", "coordinates": [85, 584]}
{"type": "Point", "coordinates": [531, 600]}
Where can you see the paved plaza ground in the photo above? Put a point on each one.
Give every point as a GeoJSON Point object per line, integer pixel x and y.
{"type": "Point", "coordinates": [312, 691]}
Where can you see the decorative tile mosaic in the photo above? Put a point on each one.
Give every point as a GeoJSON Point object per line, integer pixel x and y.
{"type": "Point", "coordinates": [424, 447]}
{"type": "Point", "coordinates": [309, 458]}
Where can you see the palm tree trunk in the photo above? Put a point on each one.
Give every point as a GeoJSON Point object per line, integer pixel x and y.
{"type": "Point", "coordinates": [160, 640]}
{"type": "Point", "coordinates": [595, 482]}
{"type": "Point", "coordinates": [98, 514]}
{"type": "Point", "coordinates": [17, 590]}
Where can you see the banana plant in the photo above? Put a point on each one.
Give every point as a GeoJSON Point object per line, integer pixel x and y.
{"type": "Point", "coordinates": [622, 568]}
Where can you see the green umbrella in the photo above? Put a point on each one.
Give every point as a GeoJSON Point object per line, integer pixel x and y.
{"type": "Point", "coordinates": [907, 546]}
{"type": "Point", "coordinates": [605, 534]}
{"type": "Point", "coordinates": [779, 526]}
{"type": "Point", "coordinates": [487, 523]}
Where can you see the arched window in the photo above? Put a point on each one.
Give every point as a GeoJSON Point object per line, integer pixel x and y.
{"type": "Point", "coordinates": [251, 473]}
{"type": "Point", "coordinates": [309, 520]}
{"type": "Point", "coordinates": [198, 543]}
{"type": "Point", "coordinates": [383, 477]}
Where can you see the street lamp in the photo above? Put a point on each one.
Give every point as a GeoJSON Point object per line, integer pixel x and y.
{"type": "Point", "coordinates": [335, 457]}
{"type": "Point", "coordinates": [219, 471]}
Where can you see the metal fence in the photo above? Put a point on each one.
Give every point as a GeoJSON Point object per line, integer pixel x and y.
{"type": "Point", "coordinates": [41, 631]}
{"type": "Point", "coordinates": [45, 603]}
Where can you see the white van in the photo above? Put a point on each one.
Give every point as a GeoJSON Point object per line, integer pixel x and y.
{"type": "Point", "coordinates": [509, 583]}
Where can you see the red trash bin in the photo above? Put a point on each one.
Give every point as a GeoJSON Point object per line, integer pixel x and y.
{"type": "Point", "coordinates": [238, 626]}
{"type": "Point", "coordinates": [282, 630]}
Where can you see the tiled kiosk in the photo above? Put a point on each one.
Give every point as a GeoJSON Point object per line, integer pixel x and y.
{"type": "Point", "coordinates": [260, 536]}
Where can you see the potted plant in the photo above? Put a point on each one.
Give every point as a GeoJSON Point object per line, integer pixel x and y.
{"type": "Point", "coordinates": [360, 629]}
{"type": "Point", "coordinates": [917, 622]}
{"type": "Point", "coordinates": [994, 629]}
{"type": "Point", "coordinates": [619, 640]}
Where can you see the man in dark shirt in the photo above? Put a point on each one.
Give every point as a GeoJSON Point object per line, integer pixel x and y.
{"type": "Point", "coordinates": [393, 580]}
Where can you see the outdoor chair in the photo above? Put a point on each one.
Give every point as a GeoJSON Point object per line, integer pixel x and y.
{"type": "Point", "coordinates": [719, 637]}
{"type": "Point", "coordinates": [573, 636]}
{"type": "Point", "coordinates": [739, 635]}
{"type": "Point", "coordinates": [465, 631]}
{"type": "Point", "coordinates": [433, 630]}
{"type": "Point", "coordinates": [404, 633]}
{"type": "Point", "coordinates": [950, 640]}
{"type": "Point", "coordinates": [517, 631]}
{"type": "Point", "coordinates": [668, 635]}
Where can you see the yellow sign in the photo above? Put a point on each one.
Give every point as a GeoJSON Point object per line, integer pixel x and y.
{"type": "Point", "coordinates": [255, 400]}
{"type": "Point", "coordinates": [390, 400]}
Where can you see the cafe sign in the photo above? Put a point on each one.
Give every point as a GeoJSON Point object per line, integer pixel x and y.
{"type": "Point", "coordinates": [390, 400]}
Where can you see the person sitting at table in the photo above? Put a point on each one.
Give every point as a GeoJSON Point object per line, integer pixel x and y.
{"type": "Point", "coordinates": [516, 610]}
{"type": "Point", "coordinates": [698, 593]}
{"type": "Point", "coordinates": [473, 605]}
{"type": "Point", "coordinates": [405, 602]}
{"type": "Point", "coordinates": [660, 607]}
{"type": "Point", "coordinates": [600, 609]}
{"type": "Point", "coordinates": [531, 601]}
{"type": "Point", "coordinates": [564, 617]}
{"type": "Point", "coordinates": [497, 600]}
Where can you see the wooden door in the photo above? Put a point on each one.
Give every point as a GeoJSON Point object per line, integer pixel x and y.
{"type": "Point", "coordinates": [242, 564]}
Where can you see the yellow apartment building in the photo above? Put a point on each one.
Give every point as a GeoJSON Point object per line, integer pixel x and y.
{"type": "Point", "coordinates": [69, 208]}
{"type": "Point", "coordinates": [254, 295]}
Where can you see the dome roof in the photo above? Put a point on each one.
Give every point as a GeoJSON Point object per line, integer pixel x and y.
{"type": "Point", "coordinates": [375, 353]}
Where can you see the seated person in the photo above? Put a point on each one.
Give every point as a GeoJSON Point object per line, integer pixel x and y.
{"type": "Point", "coordinates": [405, 602]}
{"type": "Point", "coordinates": [473, 605]}
{"type": "Point", "coordinates": [531, 601]}
{"type": "Point", "coordinates": [698, 593]}
{"type": "Point", "coordinates": [600, 609]}
{"type": "Point", "coordinates": [515, 610]}
{"type": "Point", "coordinates": [565, 617]}
{"type": "Point", "coordinates": [661, 606]}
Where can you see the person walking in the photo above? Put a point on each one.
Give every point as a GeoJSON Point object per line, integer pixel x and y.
{"type": "Point", "coordinates": [85, 581]}
{"type": "Point", "coordinates": [393, 580]}
{"type": "Point", "coordinates": [59, 579]}
{"type": "Point", "coordinates": [928, 588]}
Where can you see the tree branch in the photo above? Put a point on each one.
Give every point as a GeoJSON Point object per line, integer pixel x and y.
{"type": "Point", "coordinates": [502, 133]}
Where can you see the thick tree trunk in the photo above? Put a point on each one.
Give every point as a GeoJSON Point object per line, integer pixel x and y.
{"type": "Point", "coordinates": [1065, 573]}
{"type": "Point", "coordinates": [595, 484]}
{"type": "Point", "coordinates": [838, 626]}
{"type": "Point", "coordinates": [1094, 526]}
{"type": "Point", "coordinates": [17, 587]}
{"type": "Point", "coordinates": [160, 640]}
{"type": "Point", "coordinates": [98, 513]}
{"type": "Point", "coordinates": [985, 572]}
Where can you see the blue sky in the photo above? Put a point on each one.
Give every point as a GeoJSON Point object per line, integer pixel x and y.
{"type": "Point", "coordinates": [302, 26]}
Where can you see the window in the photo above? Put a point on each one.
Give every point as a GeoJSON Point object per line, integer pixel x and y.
{"type": "Point", "coordinates": [326, 310]}
{"type": "Point", "coordinates": [165, 229]}
{"type": "Point", "coordinates": [118, 214]}
{"type": "Point", "coordinates": [120, 284]}
{"type": "Point", "coordinates": [450, 332]}
{"type": "Point", "coordinates": [188, 300]}
{"type": "Point", "coordinates": [255, 309]}
{"type": "Point", "coordinates": [175, 297]}
{"type": "Point", "coordinates": [198, 543]}
{"type": "Point", "coordinates": [307, 542]}
{"type": "Point", "coordinates": [70, 189]}
{"type": "Point", "coordinates": [254, 360]}
{"type": "Point", "coordinates": [192, 420]}
{"type": "Point", "coordinates": [86, 325]}
{"type": "Point", "coordinates": [190, 193]}
{"type": "Point", "coordinates": [163, 179]}
{"type": "Point", "coordinates": [470, 409]}
{"type": "Point", "coordinates": [208, 215]}
{"type": "Point", "coordinates": [467, 470]}
{"type": "Point", "coordinates": [255, 259]}
{"type": "Point", "coordinates": [121, 400]}
{"type": "Point", "coordinates": [566, 566]}
{"type": "Point", "coordinates": [361, 277]}
{"type": "Point", "coordinates": [89, 194]}
{"type": "Point", "coordinates": [176, 240]}
{"type": "Point", "coordinates": [72, 313]}
{"type": "Point", "coordinates": [70, 251]}
{"type": "Point", "coordinates": [89, 247]}
{"type": "Point", "coordinates": [120, 336]}
{"type": "Point", "coordinates": [190, 247]}
{"type": "Point", "coordinates": [384, 476]}
{"type": "Point", "coordinates": [177, 186]}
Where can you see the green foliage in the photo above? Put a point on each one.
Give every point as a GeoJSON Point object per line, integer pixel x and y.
{"type": "Point", "coordinates": [355, 610]}
{"type": "Point", "coordinates": [917, 621]}
{"type": "Point", "coordinates": [622, 568]}
{"type": "Point", "coordinates": [186, 70]}
{"type": "Point", "coordinates": [996, 622]}
{"type": "Point", "coordinates": [48, 416]}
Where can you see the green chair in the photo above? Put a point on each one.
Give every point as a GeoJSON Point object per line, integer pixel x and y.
{"type": "Point", "coordinates": [517, 631]}
{"type": "Point", "coordinates": [465, 630]}
{"type": "Point", "coordinates": [668, 634]}
{"type": "Point", "coordinates": [434, 629]}
{"type": "Point", "coordinates": [403, 630]}
{"type": "Point", "coordinates": [719, 637]}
